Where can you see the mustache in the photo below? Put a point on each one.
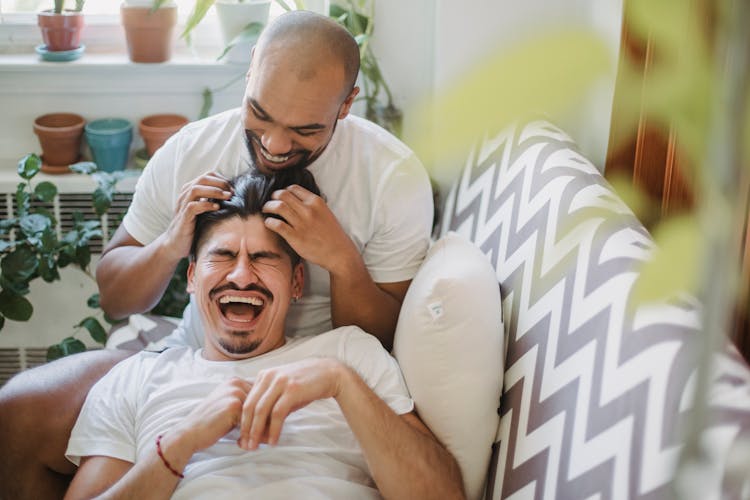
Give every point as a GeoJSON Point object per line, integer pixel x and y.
{"type": "Point", "coordinates": [252, 287]}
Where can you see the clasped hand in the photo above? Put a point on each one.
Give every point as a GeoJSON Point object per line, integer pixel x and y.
{"type": "Point", "coordinates": [260, 407]}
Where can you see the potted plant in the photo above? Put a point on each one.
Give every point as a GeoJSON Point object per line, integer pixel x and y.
{"type": "Point", "coordinates": [61, 28]}
{"type": "Point", "coordinates": [149, 25]}
{"type": "Point", "coordinates": [240, 22]}
{"type": "Point", "coordinates": [361, 26]}
{"type": "Point", "coordinates": [60, 136]}
{"type": "Point", "coordinates": [156, 129]}
{"type": "Point", "coordinates": [30, 249]}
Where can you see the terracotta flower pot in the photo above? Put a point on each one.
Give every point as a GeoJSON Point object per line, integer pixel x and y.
{"type": "Point", "coordinates": [149, 34]}
{"type": "Point", "coordinates": [60, 138]}
{"type": "Point", "coordinates": [156, 129]}
{"type": "Point", "coordinates": [60, 31]}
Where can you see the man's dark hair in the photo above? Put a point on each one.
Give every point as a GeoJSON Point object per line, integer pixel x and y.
{"type": "Point", "coordinates": [251, 191]}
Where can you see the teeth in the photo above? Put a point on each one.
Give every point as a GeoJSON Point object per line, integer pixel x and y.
{"type": "Point", "coordinates": [273, 158]}
{"type": "Point", "coordinates": [253, 301]}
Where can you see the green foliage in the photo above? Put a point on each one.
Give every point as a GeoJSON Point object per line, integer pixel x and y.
{"type": "Point", "coordinates": [360, 24]}
{"type": "Point", "coordinates": [36, 252]}
{"type": "Point", "coordinates": [248, 33]}
{"type": "Point", "coordinates": [175, 297]}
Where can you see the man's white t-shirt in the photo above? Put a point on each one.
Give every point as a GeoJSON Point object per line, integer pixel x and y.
{"type": "Point", "coordinates": [373, 183]}
{"type": "Point", "coordinates": [317, 455]}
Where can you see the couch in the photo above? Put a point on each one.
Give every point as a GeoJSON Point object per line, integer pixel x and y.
{"type": "Point", "coordinates": [568, 389]}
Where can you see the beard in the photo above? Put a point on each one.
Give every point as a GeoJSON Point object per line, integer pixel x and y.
{"type": "Point", "coordinates": [305, 156]}
{"type": "Point", "coordinates": [238, 346]}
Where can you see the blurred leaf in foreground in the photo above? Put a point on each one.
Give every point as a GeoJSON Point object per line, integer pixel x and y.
{"type": "Point", "coordinates": [674, 267]}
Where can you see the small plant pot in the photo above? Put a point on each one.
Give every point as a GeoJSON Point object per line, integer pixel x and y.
{"type": "Point", "coordinates": [60, 32]}
{"type": "Point", "coordinates": [59, 136]}
{"type": "Point", "coordinates": [109, 140]}
{"type": "Point", "coordinates": [156, 129]}
{"type": "Point", "coordinates": [149, 34]}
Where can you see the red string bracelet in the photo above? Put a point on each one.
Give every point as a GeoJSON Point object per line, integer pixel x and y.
{"type": "Point", "coordinates": [161, 455]}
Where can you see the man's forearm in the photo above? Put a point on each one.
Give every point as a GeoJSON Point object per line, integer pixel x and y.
{"type": "Point", "coordinates": [149, 478]}
{"type": "Point", "coordinates": [357, 300]}
{"type": "Point", "coordinates": [404, 461]}
{"type": "Point", "coordinates": [133, 278]}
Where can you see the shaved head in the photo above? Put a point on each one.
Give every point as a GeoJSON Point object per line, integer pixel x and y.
{"type": "Point", "coordinates": [306, 43]}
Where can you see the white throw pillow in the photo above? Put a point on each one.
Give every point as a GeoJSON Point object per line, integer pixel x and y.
{"type": "Point", "coordinates": [449, 343]}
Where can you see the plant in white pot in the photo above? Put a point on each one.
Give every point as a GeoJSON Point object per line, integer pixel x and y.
{"type": "Point", "coordinates": [240, 23]}
{"type": "Point", "coordinates": [149, 25]}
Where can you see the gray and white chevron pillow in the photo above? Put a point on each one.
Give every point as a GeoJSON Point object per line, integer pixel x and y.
{"type": "Point", "coordinates": [596, 391]}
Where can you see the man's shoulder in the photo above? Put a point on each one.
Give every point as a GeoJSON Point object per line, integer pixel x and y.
{"type": "Point", "coordinates": [364, 133]}
{"type": "Point", "coordinates": [214, 124]}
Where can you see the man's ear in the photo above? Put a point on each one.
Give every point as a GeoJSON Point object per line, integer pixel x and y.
{"type": "Point", "coordinates": [190, 274]}
{"type": "Point", "coordinates": [347, 105]}
{"type": "Point", "coordinates": [298, 280]}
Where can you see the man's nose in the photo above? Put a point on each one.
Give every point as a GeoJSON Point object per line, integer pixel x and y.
{"type": "Point", "coordinates": [276, 141]}
{"type": "Point", "coordinates": [242, 273]}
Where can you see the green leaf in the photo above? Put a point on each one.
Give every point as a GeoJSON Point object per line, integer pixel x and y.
{"type": "Point", "coordinates": [29, 166]}
{"type": "Point", "coordinates": [95, 329]}
{"type": "Point", "coordinates": [83, 256]}
{"type": "Point", "coordinates": [18, 288]}
{"type": "Point", "coordinates": [15, 307]}
{"type": "Point", "coordinates": [19, 265]}
{"type": "Point", "coordinates": [48, 268]}
{"type": "Point", "coordinates": [285, 5]}
{"type": "Point", "coordinates": [102, 200]}
{"type": "Point", "coordinates": [199, 12]}
{"type": "Point", "coordinates": [84, 167]}
{"type": "Point", "coordinates": [34, 224]}
{"type": "Point", "coordinates": [23, 200]}
{"type": "Point", "coordinates": [48, 240]}
{"type": "Point", "coordinates": [54, 352]}
{"type": "Point", "coordinates": [93, 301]}
{"type": "Point", "coordinates": [66, 347]}
{"type": "Point", "coordinates": [45, 191]}
{"type": "Point", "coordinates": [208, 102]}
{"type": "Point", "coordinates": [248, 34]}
{"type": "Point", "coordinates": [673, 268]}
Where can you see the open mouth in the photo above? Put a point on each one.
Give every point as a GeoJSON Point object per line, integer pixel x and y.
{"type": "Point", "coordinates": [241, 308]}
{"type": "Point", "coordinates": [274, 158]}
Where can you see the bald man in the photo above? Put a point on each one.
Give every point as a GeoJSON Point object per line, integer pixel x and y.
{"type": "Point", "coordinates": [363, 239]}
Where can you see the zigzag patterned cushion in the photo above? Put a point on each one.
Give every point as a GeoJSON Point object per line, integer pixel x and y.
{"type": "Point", "coordinates": [597, 393]}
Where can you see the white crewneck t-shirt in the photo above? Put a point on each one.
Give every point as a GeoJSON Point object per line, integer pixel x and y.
{"type": "Point", "coordinates": [373, 183]}
{"type": "Point", "coordinates": [317, 455]}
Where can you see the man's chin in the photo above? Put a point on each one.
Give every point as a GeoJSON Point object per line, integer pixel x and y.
{"type": "Point", "coordinates": [239, 348]}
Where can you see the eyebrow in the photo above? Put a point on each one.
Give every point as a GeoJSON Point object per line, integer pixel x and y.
{"type": "Point", "coordinates": [257, 108]}
{"type": "Point", "coordinates": [263, 254]}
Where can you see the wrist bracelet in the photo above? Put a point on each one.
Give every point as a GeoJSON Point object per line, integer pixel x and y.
{"type": "Point", "coordinates": [161, 455]}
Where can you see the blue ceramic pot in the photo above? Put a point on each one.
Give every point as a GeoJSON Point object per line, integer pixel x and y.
{"type": "Point", "coordinates": [109, 140]}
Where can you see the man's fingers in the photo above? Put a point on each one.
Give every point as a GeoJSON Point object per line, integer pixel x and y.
{"type": "Point", "coordinates": [280, 411]}
{"type": "Point", "coordinates": [282, 209]}
{"type": "Point", "coordinates": [279, 227]}
{"type": "Point", "coordinates": [262, 413]}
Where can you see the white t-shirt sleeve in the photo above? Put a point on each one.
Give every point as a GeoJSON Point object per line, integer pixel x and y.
{"type": "Point", "coordinates": [151, 210]}
{"type": "Point", "coordinates": [106, 424]}
{"type": "Point", "coordinates": [403, 223]}
{"type": "Point", "coordinates": [380, 371]}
